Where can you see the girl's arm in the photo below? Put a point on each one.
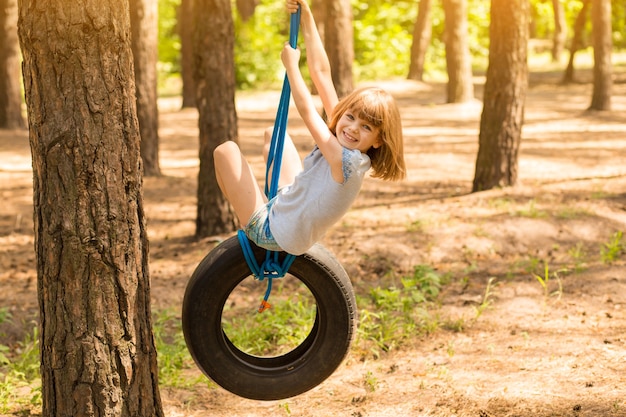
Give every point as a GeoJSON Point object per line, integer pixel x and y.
{"type": "Point", "coordinates": [325, 140]}
{"type": "Point", "coordinates": [317, 59]}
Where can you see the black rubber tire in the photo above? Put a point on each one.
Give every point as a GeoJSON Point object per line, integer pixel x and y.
{"type": "Point", "coordinates": [268, 378]}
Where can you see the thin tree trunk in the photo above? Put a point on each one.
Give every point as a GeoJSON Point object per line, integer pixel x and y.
{"type": "Point", "coordinates": [577, 41]}
{"type": "Point", "coordinates": [560, 30]}
{"type": "Point", "coordinates": [10, 95]}
{"type": "Point", "coordinates": [602, 50]}
{"type": "Point", "coordinates": [214, 43]}
{"type": "Point", "coordinates": [339, 44]}
{"type": "Point", "coordinates": [422, 33]}
{"type": "Point", "coordinates": [318, 8]}
{"type": "Point", "coordinates": [246, 8]}
{"type": "Point", "coordinates": [186, 30]}
{"type": "Point", "coordinates": [98, 356]}
{"type": "Point", "coordinates": [459, 64]}
{"type": "Point", "coordinates": [504, 97]}
{"type": "Point", "coordinates": [144, 25]}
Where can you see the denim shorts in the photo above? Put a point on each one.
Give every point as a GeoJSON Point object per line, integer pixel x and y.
{"type": "Point", "coordinates": [258, 228]}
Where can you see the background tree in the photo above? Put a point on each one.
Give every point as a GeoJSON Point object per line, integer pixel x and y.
{"type": "Point", "coordinates": [10, 94]}
{"type": "Point", "coordinates": [144, 26]}
{"type": "Point", "coordinates": [505, 93]}
{"type": "Point", "coordinates": [339, 43]}
{"type": "Point", "coordinates": [577, 42]}
{"type": "Point", "coordinates": [214, 40]}
{"type": "Point", "coordinates": [185, 31]}
{"type": "Point", "coordinates": [560, 30]}
{"type": "Point", "coordinates": [246, 8]}
{"type": "Point", "coordinates": [422, 31]}
{"type": "Point", "coordinates": [458, 60]}
{"type": "Point", "coordinates": [97, 349]}
{"type": "Point", "coordinates": [602, 49]}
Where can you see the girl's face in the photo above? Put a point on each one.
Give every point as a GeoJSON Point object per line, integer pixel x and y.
{"type": "Point", "coordinates": [356, 133]}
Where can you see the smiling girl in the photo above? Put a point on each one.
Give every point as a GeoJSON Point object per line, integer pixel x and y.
{"type": "Point", "coordinates": [364, 131]}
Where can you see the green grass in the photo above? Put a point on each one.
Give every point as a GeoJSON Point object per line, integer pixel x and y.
{"type": "Point", "coordinates": [275, 331]}
{"type": "Point", "coordinates": [172, 354]}
{"type": "Point", "coordinates": [545, 280]}
{"type": "Point", "coordinates": [613, 249]}
{"type": "Point", "coordinates": [390, 316]}
{"type": "Point", "coordinates": [20, 384]}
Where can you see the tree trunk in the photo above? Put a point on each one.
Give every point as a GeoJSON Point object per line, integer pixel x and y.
{"type": "Point", "coordinates": [577, 41]}
{"type": "Point", "coordinates": [339, 44]}
{"type": "Point", "coordinates": [10, 94]}
{"type": "Point", "coordinates": [318, 8]}
{"type": "Point", "coordinates": [504, 96]}
{"type": "Point", "coordinates": [421, 39]}
{"type": "Point", "coordinates": [185, 31]}
{"type": "Point", "coordinates": [97, 349]}
{"type": "Point", "coordinates": [560, 30]}
{"type": "Point", "coordinates": [144, 25]}
{"type": "Point", "coordinates": [602, 50]}
{"type": "Point", "coordinates": [214, 43]}
{"type": "Point", "coordinates": [246, 8]}
{"type": "Point", "coordinates": [458, 59]}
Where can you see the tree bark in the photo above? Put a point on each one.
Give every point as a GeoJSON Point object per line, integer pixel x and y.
{"type": "Point", "coordinates": [10, 94]}
{"type": "Point", "coordinates": [504, 96]}
{"type": "Point", "coordinates": [422, 33]}
{"type": "Point", "coordinates": [602, 50]}
{"type": "Point", "coordinates": [339, 44]}
{"type": "Point", "coordinates": [214, 44]}
{"type": "Point", "coordinates": [246, 8]}
{"type": "Point", "coordinates": [185, 31]}
{"type": "Point", "coordinates": [97, 350]}
{"type": "Point", "coordinates": [577, 41]}
{"type": "Point", "coordinates": [144, 25]}
{"type": "Point", "coordinates": [459, 64]}
{"type": "Point", "coordinates": [560, 30]}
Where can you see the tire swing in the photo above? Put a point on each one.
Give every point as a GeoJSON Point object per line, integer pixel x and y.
{"type": "Point", "coordinates": [229, 264]}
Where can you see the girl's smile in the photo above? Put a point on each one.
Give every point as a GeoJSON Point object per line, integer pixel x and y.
{"type": "Point", "coordinates": [356, 133]}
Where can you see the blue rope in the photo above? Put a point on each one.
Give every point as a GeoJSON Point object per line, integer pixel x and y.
{"type": "Point", "coordinates": [275, 155]}
{"type": "Point", "coordinates": [272, 268]}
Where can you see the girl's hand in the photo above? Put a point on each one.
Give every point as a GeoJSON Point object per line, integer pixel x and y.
{"type": "Point", "coordinates": [290, 56]}
{"type": "Point", "coordinates": [292, 5]}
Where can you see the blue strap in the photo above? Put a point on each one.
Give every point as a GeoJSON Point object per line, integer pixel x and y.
{"type": "Point", "coordinates": [275, 155]}
{"type": "Point", "coordinates": [272, 268]}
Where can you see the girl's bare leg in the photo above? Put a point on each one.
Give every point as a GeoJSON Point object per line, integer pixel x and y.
{"type": "Point", "coordinates": [291, 164]}
{"type": "Point", "coordinates": [237, 181]}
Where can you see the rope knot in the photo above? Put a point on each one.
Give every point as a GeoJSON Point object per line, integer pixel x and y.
{"type": "Point", "coordinates": [271, 267]}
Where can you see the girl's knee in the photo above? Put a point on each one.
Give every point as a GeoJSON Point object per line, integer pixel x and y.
{"type": "Point", "coordinates": [268, 134]}
{"type": "Point", "coordinates": [224, 149]}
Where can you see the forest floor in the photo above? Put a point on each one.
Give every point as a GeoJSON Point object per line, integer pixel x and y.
{"type": "Point", "coordinates": [519, 349]}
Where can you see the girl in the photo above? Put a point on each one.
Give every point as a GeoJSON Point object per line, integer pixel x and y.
{"type": "Point", "coordinates": [364, 131]}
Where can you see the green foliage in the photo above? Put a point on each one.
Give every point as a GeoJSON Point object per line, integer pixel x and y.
{"type": "Point", "coordinates": [618, 8]}
{"type": "Point", "coordinates": [258, 43]}
{"type": "Point", "coordinates": [613, 249]}
{"type": "Point", "coordinates": [579, 256]}
{"type": "Point", "coordinates": [487, 299]}
{"type": "Point", "coordinates": [169, 39]}
{"type": "Point", "coordinates": [20, 383]}
{"type": "Point", "coordinates": [275, 331]}
{"type": "Point", "coordinates": [382, 37]}
{"type": "Point", "coordinates": [390, 316]}
{"type": "Point", "coordinates": [546, 278]}
{"type": "Point", "coordinates": [172, 355]}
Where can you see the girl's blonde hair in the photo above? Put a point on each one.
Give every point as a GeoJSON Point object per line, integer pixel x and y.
{"type": "Point", "coordinates": [379, 108]}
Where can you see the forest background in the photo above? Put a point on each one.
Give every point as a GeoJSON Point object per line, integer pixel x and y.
{"type": "Point", "coordinates": [382, 39]}
{"type": "Point", "coordinates": [382, 47]}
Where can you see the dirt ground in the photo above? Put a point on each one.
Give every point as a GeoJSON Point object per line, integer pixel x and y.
{"type": "Point", "coordinates": [530, 353]}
